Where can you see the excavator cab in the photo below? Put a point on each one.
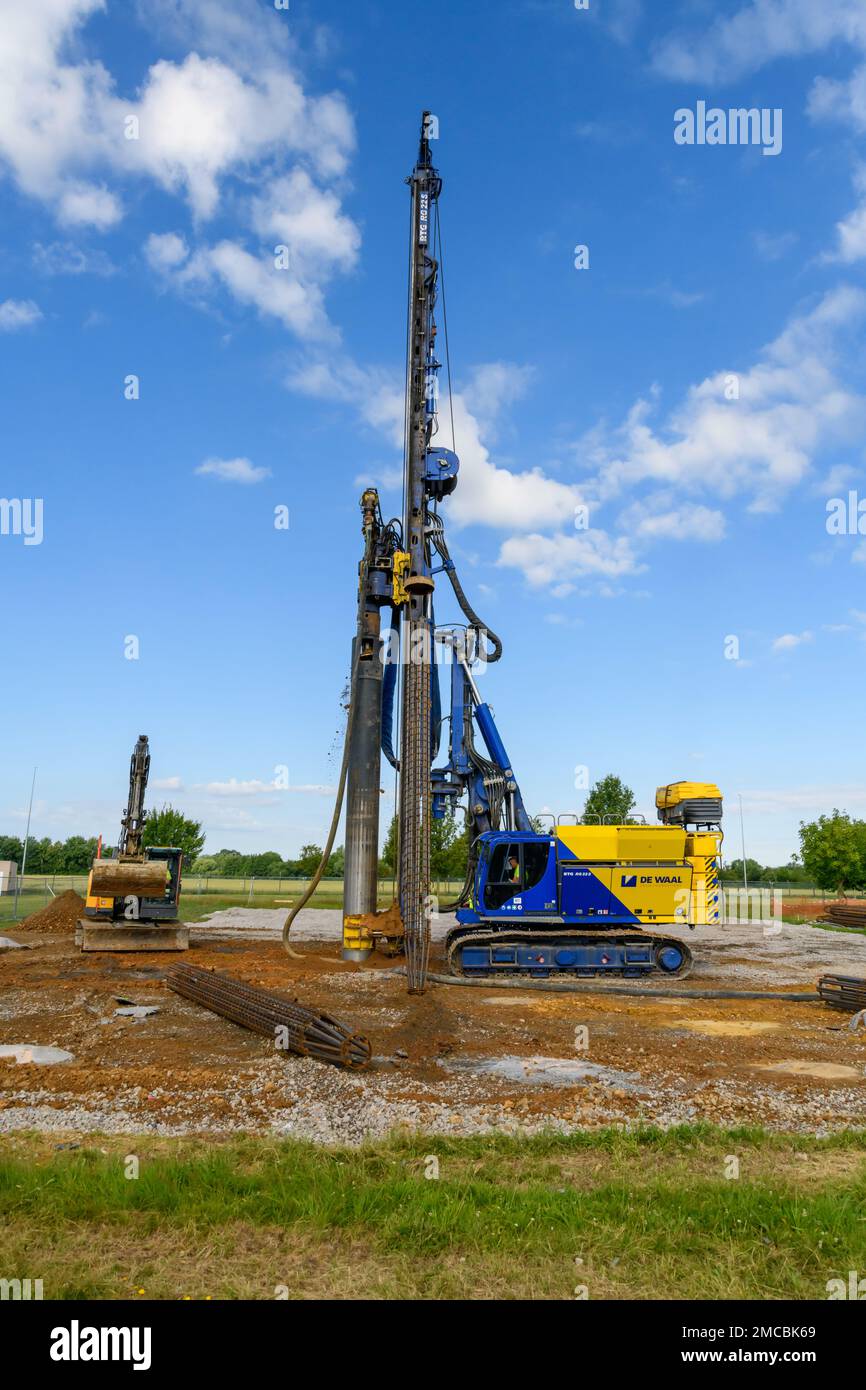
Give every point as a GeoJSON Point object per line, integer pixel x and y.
{"type": "Point", "coordinates": [516, 874]}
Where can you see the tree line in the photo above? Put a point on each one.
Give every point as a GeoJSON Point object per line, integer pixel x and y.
{"type": "Point", "coordinates": [832, 849]}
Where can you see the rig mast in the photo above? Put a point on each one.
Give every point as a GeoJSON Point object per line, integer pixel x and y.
{"type": "Point", "coordinates": [417, 637]}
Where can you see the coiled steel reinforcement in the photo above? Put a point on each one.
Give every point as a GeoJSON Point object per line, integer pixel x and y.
{"type": "Point", "coordinates": [292, 1026]}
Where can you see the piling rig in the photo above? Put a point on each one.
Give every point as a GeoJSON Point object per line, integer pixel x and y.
{"type": "Point", "coordinates": [575, 898]}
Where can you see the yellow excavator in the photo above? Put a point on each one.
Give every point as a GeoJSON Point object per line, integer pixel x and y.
{"type": "Point", "coordinates": [132, 897]}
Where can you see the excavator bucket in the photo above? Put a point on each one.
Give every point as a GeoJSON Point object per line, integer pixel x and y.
{"type": "Point", "coordinates": [116, 878]}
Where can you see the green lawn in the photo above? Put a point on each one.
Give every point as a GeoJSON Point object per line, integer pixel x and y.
{"type": "Point", "coordinates": [195, 906]}
{"type": "Point", "coordinates": [29, 901]}
{"type": "Point", "coordinates": [640, 1215]}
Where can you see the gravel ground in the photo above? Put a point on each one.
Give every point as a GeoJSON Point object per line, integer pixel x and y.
{"type": "Point", "coordinates": [457, 1061]}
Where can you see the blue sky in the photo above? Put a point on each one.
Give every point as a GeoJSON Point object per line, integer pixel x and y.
{"type": "Point", "coordinates": [607, 388]}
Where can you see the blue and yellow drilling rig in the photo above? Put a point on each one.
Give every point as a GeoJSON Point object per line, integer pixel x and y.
{"type": "Point", "coordinates": [575, 899]}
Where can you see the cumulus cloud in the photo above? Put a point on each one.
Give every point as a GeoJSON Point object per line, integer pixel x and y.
{"type": "Point", "coordinates": [89, 205]}
{"type": "Point", "coordinates": [233, 109]}
{"type": "Point", "coordinates": [760, 442]}
{"type": "Point", "coordinates": [274, 293]}
{"type": "Point", "coordinates": [165, 250]}
{"type": "Point", "coordinates": [851, 230]}
{"type": "Point", "coordinates": [756, 33]}
{"type": "Point", "coordinates": [242, 32]}
{"type": "Point", "coordinates": [657, 518]}
{"type": "Point", "coordinates": [790, 640]}
{"type": "Point", "coordinates": [375, 392]}
{"type": "Point", "coordinates": [18, 313]}
{"type": "Point", "coordinates": [491, 494]}
{"type": "Point", "coordinates": [238, 470]}
{"type": "Point", "coordinates": [198, 120]}
{"type": "Point", "coordinates": [308, 220]}
{"type": "Point", "coordinates": [552, 562]}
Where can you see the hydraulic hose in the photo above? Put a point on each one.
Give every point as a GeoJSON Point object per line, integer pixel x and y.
{"type": "Point", "coordinates": [638, 991]}
{"type": "Point", "coordinates": [472, 617]}
{"type": "Point", "coordinates": [329, 843]}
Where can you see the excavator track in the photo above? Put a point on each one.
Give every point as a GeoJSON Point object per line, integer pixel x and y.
{"type": "Point", "coordinates": [565, 951]}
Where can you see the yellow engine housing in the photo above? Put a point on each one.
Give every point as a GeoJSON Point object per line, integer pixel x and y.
{"type": "Point", "coordinates": [663, 874]}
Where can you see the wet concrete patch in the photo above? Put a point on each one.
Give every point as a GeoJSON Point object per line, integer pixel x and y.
{"type": "Point", "coordinates": [26, 1053]}
{"type": "Point", "coordinates": [545, 1071]}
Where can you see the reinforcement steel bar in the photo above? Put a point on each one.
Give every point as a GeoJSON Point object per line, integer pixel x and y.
{"type": "Point", "coordinates": [845, 914]}
{"type": "Point", "coordinates": [421, 368]}
{"type": "Point", "coordinates": [292, 1026]}
{"type": "Point", "coordinates": [843, 992]}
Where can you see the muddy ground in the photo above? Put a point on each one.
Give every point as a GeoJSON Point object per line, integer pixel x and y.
{"type": "Point", "coordinates": [457, 1061]}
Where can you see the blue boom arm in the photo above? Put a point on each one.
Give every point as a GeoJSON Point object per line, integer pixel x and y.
{"type": "Point", "coordinates": [494, 795]}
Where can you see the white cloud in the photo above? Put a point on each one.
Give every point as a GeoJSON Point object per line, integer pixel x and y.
{"type": "Point", "coordinates": [376, 392]}
{"type": "Point", "coordinates": [256, 788]}
{"type": "Point", "coordinates": [18, 313]}
{"type": "Point", "coordinates": [762, 31]}
{"type": "Point", "coordinates": [238, 470]}
{"type": "Point", "coordinates": [790, 640]}
{"type": "Point", "coordinates": [844, 101]}
{"type": "Point", "coordinates": [773, 246]}
{"type": "Point", "coordinates": [235, 108]}
{"type": "Point", "coordinates": [622, 18]}
{"type": "Point", "coordinates": [489, 494]}
{"type": "Point", "coordinates": [758, 33]}
{"type": "Point", "coordinates": [254, 281]}
{"type": "Point", "coordinates": [86, 205]}
{"type": "Point", "coordinates": [791, 403]}
{"type": "Point", "coordinates": [167, 784]}
{"type": "Point", "coordinates": [491, 388]}
{"type": "Point", "coordinates": [65, 258]}
{"type": "Point", "coordinates": [552, 562]}
{"type": "Point", "coordinates": [200, 121]}
{"type": "Point", "coordinates": [811, 800]}
{"type": "Point", "coordinates": [235, 788]}
{"type": "Point", "coordinates": [241, 32]}
{"type": "Point", "coordinates": [294, 212]}
{"type": "Point", "coordinates": [165, 250]}
{"type": "Point", "coordinates": [654, 518]}
{"type": "Point", "coordinates": [274, 293]}
{"type": "Point", "coordinates": [851, 230]}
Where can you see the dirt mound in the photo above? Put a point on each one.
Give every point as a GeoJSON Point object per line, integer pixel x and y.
{"type": "Point", "coordinates": [60, 915]}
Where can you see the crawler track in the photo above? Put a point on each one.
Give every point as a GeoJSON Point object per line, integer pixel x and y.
{"type": "Point", "coordinates": [565, 952]}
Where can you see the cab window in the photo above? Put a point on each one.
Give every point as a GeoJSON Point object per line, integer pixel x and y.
{"type": "Point", "coordinates": [504, 878]}
{"type": "Point", "coordinates": [535, 857]}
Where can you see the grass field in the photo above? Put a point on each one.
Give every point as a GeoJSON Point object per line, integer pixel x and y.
{"type": "Point", "coordinates": [641, 1215]}
{"type": "Point", "coordinates": [195, 906]}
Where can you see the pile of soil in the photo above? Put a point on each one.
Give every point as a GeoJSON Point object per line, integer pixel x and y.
{"type": "Point", "coordinates": [60, 915]}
